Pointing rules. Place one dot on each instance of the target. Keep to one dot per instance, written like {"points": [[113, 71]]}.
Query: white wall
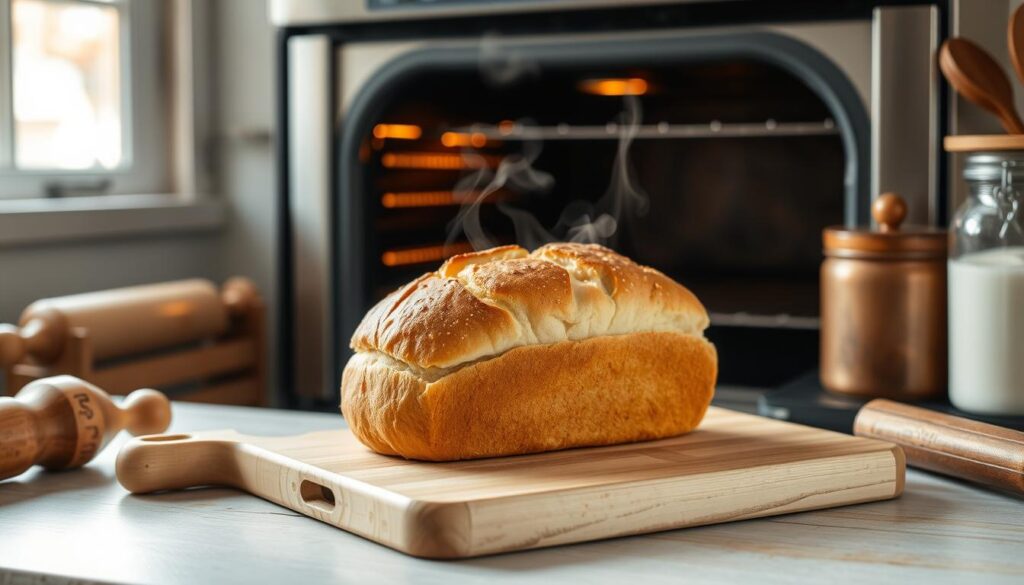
{"points": [[32, 272], [243, 89]]}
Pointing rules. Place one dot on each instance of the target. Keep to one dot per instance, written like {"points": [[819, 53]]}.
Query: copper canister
{"points": [[883, 308]]}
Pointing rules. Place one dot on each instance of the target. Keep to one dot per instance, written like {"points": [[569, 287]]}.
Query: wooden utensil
{"points": [[979, 79], [63, 422], [1015, 41], [948, 444], [983, 143], [734, 466]]}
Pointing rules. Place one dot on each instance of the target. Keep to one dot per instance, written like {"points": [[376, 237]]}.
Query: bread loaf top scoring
{"points": [[482, 304]]}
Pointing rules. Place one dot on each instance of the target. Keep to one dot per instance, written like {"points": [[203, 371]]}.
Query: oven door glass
{"points": [[720, 172]]}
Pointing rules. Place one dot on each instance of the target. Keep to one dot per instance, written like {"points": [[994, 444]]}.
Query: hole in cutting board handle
{"points": [[316, 495], [162, 438]]}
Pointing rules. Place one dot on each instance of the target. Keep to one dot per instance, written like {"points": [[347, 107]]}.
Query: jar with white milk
{"points": [[986, 286]]}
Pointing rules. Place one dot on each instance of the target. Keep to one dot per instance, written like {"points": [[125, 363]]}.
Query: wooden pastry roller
{"points": [[63, 422], [125, 321], [952, 445], [204, 342]]}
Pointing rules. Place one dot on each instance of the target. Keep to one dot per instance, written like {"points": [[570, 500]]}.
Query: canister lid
{"points": [[889, 242]]}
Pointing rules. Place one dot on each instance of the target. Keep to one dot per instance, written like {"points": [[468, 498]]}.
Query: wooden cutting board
{"points": [[735, 466]]}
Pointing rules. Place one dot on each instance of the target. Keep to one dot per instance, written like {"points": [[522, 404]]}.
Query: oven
{"points": [[711, 140]]}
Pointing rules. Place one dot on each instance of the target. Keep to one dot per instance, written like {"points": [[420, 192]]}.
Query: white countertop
{"points": [[82, 526]]}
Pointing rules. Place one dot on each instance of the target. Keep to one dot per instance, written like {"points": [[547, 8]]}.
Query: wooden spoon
{"points": [[1015, 41], [977, 77]]}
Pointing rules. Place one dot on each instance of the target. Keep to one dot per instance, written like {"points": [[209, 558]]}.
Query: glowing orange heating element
{"points": [[453, 139], [398, 131], [423, 254], [430, 160], [436, 198], [424, 199], [614, 87], [420, 199]]}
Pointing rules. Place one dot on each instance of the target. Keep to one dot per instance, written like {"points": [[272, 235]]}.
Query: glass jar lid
{"points": [[888, 242], [995, 167]]}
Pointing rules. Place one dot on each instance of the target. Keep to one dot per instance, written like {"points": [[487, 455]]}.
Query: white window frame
{"points": [[176, 165], [143, 168]]}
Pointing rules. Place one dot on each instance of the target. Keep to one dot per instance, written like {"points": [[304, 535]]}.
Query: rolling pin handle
{"points": [[238, 295], [41, 337], [147, 412], [956, 446], [20, 445], [12, 346], [62, 422]]}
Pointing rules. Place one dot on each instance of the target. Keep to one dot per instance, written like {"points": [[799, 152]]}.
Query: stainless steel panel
{"points": [[309, 154], [984, 22], [904, 108], [846, 43], [303, 12]]}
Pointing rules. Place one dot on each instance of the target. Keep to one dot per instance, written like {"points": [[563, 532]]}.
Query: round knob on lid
{"points": [[888, 242], [889, 211]]}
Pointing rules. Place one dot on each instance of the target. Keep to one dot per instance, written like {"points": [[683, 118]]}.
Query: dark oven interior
{"points": [[738, 162]]}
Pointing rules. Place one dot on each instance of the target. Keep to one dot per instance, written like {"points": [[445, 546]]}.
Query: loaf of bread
{"points": [[504, 352]]}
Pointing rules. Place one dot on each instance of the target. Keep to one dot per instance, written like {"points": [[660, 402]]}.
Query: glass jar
{"points": [[986, 287]]}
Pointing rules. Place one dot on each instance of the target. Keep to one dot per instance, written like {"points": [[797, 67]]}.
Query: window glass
{"points": [[67, 85]]}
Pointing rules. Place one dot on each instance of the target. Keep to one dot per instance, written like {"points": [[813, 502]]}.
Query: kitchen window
{"points": [[82, 107], [104, 119]]}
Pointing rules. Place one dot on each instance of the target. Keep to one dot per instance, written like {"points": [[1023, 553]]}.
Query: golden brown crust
{"points": [[598, 391], [486, 303], [438, 321]]}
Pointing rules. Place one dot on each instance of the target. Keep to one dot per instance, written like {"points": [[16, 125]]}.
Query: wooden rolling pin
{"points": [[125, 321], [63, 422], [948, 444]]}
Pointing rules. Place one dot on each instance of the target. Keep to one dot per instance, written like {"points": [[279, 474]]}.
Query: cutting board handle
{"points": [[177, 461], [156, 463]]}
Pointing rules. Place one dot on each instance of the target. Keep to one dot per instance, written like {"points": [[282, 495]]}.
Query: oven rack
{"points": [[779, 321], [612, 131]]}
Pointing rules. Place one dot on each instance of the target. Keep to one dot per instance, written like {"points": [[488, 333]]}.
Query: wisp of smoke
{"points": [[581, 220]]}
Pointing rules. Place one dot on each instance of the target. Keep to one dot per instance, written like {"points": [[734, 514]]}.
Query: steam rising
{"points": [[599, 222], [581, 220], [515, 171], [501, 65]]}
